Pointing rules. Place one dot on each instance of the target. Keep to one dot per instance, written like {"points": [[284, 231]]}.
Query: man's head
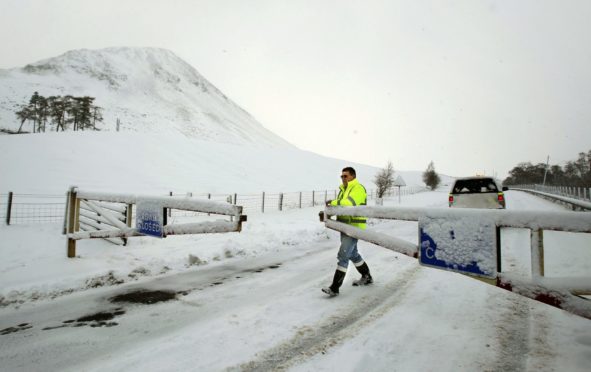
{"points": [[348, 174]]}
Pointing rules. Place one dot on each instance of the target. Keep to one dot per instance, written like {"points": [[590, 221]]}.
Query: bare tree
{"points": [[384, 179]]}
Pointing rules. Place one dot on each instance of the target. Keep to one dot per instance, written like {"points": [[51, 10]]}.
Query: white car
{"points": [[477, 192]]}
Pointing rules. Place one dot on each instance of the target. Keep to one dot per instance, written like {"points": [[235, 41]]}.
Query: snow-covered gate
{"points": [[109, 216], [565, 293]]}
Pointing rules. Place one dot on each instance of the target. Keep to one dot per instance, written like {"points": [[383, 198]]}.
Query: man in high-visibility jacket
{"points": [[352, 193]]}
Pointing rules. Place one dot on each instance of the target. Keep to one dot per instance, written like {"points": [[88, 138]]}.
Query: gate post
{"points": [[73, 210]]}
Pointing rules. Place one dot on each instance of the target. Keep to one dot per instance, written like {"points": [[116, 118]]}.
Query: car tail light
{"points": [[451, 199], [501, 197]]}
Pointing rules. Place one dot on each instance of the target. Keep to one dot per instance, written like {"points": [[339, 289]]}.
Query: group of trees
{"points": [[384, 179], [60, 113], [576, 173]]}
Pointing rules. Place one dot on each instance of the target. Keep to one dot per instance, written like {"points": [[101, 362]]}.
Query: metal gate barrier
{"points": [[565, 293]]}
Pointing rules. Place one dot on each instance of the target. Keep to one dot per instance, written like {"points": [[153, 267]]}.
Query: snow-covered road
{"points": [[264, 310]]}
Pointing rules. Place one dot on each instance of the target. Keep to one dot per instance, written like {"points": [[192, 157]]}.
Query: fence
{"points": [[577, 198], [581, 193], [42, 208], [31, 208], [563, 293]]}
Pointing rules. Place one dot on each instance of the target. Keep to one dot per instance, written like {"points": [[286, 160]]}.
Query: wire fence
{"points": [[42, 208]]}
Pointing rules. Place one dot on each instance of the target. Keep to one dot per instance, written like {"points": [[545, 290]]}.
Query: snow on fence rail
{"points": [[109, 216], [41, 208], [560, 292]]}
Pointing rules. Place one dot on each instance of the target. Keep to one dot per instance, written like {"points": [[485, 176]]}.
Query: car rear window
{"points": [[471, 186]]}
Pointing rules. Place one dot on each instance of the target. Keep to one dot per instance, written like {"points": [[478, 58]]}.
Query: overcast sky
{"points": [[476, 86]]}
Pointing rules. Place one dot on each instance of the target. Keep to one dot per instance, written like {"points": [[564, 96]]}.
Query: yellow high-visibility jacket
{"points": [[354, 195]]}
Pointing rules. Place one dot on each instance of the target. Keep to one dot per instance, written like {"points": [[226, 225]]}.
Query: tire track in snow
{"points": [[513, 336], [523, 338], [318, 338]]}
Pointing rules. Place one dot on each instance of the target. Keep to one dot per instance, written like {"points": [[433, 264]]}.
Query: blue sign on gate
{"points": [[149, 217], [465, 245]]}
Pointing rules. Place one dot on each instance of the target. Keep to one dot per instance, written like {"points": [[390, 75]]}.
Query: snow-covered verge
{"points": [[38, 253]]}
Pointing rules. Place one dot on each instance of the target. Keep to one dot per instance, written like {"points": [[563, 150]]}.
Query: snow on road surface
{"points": [[252, 301]]}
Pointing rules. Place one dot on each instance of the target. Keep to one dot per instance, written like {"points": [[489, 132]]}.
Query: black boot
{"points": [[365, 275], [337, 281]]}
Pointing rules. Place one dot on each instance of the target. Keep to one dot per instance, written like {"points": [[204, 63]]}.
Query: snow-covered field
{"points": [[252, 301], [127, 162]]}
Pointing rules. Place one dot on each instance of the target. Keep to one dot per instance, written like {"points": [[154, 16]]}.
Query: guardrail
{"points": [[560, 292], [571, 202], [114, 220]]}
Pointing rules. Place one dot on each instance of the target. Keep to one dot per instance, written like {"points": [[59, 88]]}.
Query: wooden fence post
{"points": [[9, 208], [169, 210], [128, 219], [263, 205], [73, 210], [281, 201], [313, 203], [65, 227], [208, 198], [300, 200], [129, 215]]}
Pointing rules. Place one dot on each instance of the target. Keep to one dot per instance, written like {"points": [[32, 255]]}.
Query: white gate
{"points": [[560, 292], [109, 216]]}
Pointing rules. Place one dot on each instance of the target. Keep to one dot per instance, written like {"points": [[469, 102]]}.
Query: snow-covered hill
{"points": [[147, 89], [179, 133]]}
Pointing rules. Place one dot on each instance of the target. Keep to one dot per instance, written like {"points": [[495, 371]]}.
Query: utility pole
{"points": [[546, 170]]}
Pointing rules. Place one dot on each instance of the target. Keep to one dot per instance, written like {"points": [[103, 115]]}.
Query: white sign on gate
{"points": [[149, 218], [463, 244]]}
